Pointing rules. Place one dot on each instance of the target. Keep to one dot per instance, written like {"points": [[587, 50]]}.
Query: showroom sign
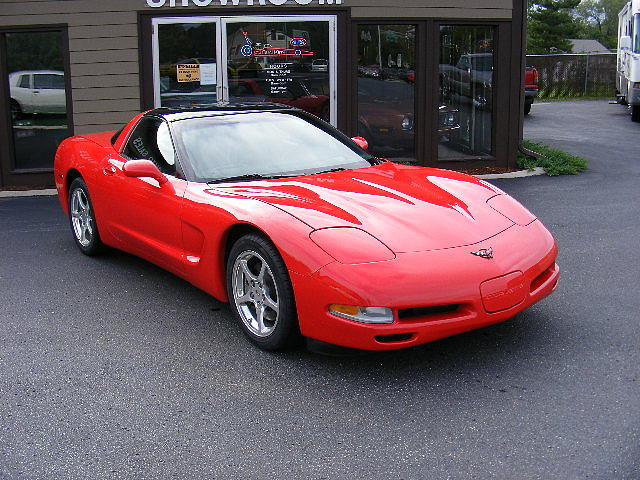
{"points": [[207, 3]]}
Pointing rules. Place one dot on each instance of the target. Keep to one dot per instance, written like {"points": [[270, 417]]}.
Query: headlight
{"points": [[351, 245], [407, 123], [363, 314]]}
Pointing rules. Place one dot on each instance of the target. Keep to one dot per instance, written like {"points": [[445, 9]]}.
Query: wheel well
{"points": [[71, 176], [234, 234]]}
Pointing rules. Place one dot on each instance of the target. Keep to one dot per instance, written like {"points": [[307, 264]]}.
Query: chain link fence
{"points": [[575, 75]]}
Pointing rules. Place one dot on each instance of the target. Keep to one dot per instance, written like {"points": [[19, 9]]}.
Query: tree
{"points": [[551, 25], [599, 19]]}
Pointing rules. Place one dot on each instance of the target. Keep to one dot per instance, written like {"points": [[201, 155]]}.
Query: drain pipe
{"points": [[527, 152]]}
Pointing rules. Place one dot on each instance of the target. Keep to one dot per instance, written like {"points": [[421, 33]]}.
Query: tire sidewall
{"points": [[95, 246], [286, 330]]}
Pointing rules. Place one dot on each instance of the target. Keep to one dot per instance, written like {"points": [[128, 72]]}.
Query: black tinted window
{"points": [[46, 82], [150, 140]]}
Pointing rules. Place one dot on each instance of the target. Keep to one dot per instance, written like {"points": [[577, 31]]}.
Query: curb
{"points": [[28, 193], [519, 174]]}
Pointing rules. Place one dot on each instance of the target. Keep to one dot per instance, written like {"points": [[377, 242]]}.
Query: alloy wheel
{"points": [[81, 217], [255, 293]]}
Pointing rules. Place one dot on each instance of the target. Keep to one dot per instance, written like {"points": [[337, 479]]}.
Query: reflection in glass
{"points": [[187, 53], [38, 97], [386, 77], [282, 62], [466, 85]]}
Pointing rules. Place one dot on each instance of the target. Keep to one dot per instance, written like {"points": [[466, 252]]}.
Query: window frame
{"points": [[9, 174], [427, 87]]}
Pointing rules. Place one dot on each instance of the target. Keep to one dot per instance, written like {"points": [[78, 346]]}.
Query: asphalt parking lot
{"points": [[112, 368]]}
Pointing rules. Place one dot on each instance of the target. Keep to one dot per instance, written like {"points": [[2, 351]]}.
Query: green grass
{"points": [[554, 161]]}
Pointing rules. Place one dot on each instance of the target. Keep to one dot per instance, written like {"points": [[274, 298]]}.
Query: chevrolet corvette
{"points": [[302, 231]]}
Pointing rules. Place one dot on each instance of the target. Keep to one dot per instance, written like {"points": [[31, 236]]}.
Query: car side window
{"points": [[24, 81], [48, 82], [151, 140]]}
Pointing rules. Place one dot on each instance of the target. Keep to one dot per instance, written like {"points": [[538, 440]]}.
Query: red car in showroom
{"points": [[301, 230]]}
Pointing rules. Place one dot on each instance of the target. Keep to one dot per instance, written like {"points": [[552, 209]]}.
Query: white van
{"points": [[628, 77]]}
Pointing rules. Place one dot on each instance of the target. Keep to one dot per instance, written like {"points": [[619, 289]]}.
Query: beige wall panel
{"points": [[90, 6], [104, 118], [105, 81], [455, 13], [103, 43], [111, 127], [106, 93], [116, 7], [87, 69], [75, 19], [70, 6], [98, 106], [93, 31], [103, 56]]}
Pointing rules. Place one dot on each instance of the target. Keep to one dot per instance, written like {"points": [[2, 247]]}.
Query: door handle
{"points": [[109, 170]]}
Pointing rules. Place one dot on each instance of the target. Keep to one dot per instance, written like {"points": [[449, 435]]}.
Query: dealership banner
{"points": [[208, 3]]}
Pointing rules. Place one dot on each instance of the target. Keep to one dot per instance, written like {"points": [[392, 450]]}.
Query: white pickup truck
{"points": [[628, 76]]}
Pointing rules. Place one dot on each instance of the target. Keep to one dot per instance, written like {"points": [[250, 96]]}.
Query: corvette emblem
{"points": [[484, 253]]}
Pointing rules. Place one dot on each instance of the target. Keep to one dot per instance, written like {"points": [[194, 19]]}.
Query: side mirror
{"points": [[625, 43], [361, 142], [143, 168]]}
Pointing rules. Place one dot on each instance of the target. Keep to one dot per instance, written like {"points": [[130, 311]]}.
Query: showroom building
{"points": [[427, 82]]}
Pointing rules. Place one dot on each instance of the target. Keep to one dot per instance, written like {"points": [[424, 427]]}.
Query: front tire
{"points": [[82, 218], [635, 113], [260, 293]]}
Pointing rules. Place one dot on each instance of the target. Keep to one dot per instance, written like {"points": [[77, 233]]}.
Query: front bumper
{"points": [[448, 277]]}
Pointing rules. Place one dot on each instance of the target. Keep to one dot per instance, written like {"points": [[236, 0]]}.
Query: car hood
{"points": [[407, 208]]}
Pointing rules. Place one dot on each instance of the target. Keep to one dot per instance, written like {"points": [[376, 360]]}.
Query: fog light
{"points": [[363, 314]]}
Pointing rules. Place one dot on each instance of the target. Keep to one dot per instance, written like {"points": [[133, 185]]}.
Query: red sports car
{"points": [[301, 230]]}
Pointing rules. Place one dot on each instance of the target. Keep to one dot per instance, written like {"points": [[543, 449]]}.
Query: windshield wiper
{"points": [[248, 176], [329, 171]]}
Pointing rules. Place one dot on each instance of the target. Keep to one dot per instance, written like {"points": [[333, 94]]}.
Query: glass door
{"points": [[281, 59], [185, 61], [288, 60], [35, 90]]}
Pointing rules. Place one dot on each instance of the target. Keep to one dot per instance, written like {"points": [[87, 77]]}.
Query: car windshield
{"points": [[268, 144]]}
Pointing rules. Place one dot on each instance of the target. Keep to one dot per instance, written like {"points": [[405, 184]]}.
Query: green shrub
{"points": [[554, 161]]}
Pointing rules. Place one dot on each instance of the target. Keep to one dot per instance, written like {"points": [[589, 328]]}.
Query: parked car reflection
{"points": [[37, 92], [386, 119]]}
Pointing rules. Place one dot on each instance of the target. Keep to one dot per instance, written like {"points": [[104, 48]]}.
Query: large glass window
{"points": [[281, 61], [386, 99], [188, 70], [37, 97], [466, 90]]}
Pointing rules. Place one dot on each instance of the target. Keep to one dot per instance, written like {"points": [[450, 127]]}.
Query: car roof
{"points": [[217, 109], [31, 72]]}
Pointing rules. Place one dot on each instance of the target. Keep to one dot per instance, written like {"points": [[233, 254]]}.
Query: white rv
{"points": [[628, 78]]}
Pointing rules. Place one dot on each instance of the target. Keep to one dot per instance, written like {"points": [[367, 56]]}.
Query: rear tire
{"points": [[82, 219], [16, 111], [635, 113], [260, 293]]}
